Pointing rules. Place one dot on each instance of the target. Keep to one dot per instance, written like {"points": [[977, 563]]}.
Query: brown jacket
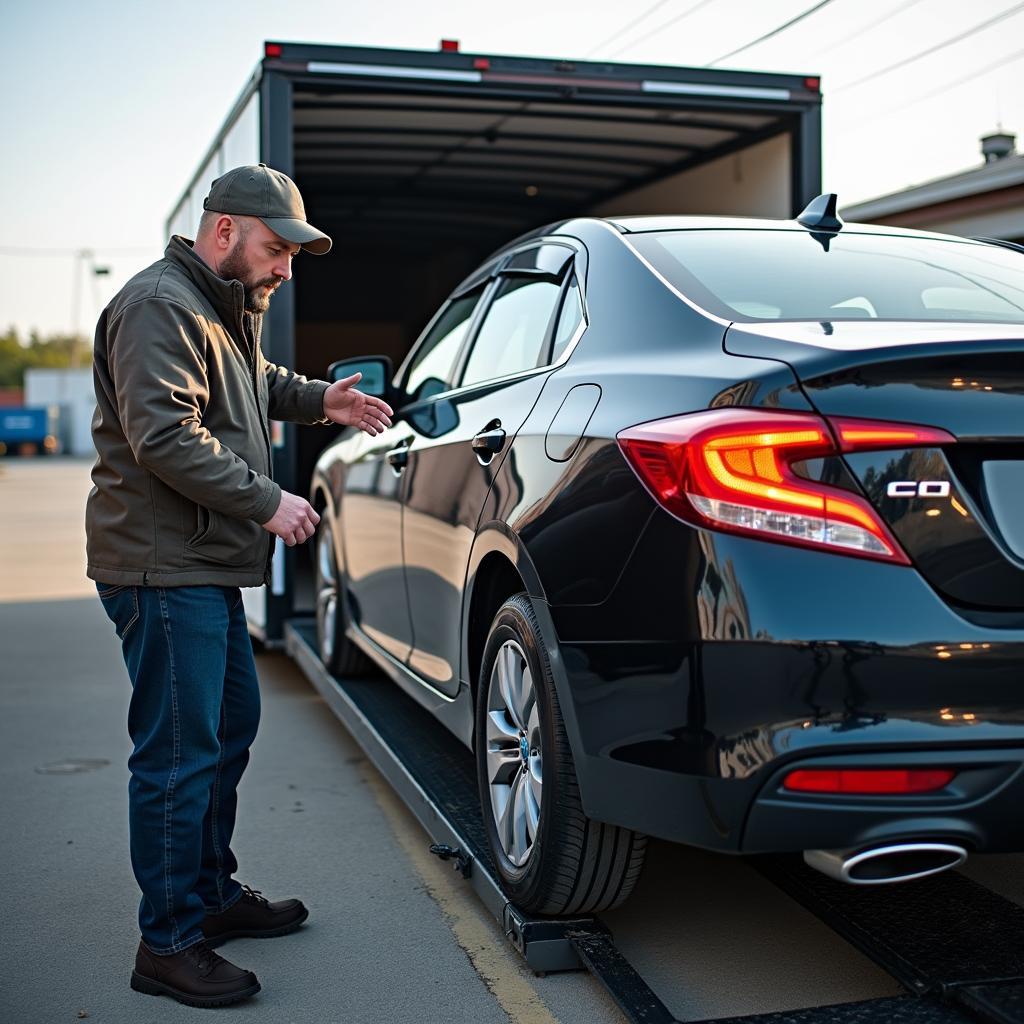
{"points": [[182, 479]]}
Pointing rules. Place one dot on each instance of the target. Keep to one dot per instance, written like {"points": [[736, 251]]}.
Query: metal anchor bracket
{"points": [[463, 862]]}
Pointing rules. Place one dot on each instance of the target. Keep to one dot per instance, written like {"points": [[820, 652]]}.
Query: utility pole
{"points": [[85, 263]]}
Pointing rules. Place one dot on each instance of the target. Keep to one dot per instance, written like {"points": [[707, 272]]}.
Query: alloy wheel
{"points": [[326, 595], [514, 756]]}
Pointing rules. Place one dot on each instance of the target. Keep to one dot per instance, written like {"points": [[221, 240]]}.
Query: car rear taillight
{"points": [[868, 435], [867, 781], [732, 469]]}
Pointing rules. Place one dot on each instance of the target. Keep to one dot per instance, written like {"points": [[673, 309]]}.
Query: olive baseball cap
{"points": [[260, 191]]}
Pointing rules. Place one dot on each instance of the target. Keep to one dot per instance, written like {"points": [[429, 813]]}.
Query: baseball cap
{"points": [[257, 190]]}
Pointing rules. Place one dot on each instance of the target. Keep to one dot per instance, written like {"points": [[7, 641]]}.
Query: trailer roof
{"points": [[387, 140]]}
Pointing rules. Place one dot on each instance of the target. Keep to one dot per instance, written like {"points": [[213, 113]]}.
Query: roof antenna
{"points": [[820, 217]]}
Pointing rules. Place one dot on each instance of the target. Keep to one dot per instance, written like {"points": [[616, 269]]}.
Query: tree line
{"points": [[50, 351]]}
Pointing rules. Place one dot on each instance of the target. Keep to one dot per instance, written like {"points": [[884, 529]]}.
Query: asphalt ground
{"points": [[394, 935]]}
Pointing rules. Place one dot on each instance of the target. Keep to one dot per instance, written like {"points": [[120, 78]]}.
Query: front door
{"points": [[371, 519], [371, 536], [459, 440]]}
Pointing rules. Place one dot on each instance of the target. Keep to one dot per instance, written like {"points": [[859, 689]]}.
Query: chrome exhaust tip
{"points": [[882, 865]]}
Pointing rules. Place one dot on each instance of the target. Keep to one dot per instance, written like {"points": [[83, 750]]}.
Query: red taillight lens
{"points": [[868, 435], [272, 50], [731, 469], [868, 781]]}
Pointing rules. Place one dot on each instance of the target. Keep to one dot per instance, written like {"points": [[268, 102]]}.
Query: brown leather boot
{"points": [[196, 976], [253, 916]]}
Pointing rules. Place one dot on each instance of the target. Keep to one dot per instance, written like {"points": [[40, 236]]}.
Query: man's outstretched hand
{"points": [[343, 404]]}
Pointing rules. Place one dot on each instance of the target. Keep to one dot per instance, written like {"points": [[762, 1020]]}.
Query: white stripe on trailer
{"points": [[696, 89], [392, 71]]}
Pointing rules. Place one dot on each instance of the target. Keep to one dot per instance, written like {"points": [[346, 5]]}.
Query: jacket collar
{"points": [[226, 297]]}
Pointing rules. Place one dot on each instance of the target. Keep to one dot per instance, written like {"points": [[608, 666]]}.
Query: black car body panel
{"points": [[695, 667]]}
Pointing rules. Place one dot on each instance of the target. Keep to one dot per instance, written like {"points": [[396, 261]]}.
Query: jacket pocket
{"points": [[224, 540], [205, 523]]}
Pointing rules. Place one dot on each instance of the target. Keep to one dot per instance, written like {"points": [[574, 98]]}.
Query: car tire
{"points": [[551, 858], [337, 652]]}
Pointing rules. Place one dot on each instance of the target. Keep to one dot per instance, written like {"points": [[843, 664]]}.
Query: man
{"points": [[182, 514]]}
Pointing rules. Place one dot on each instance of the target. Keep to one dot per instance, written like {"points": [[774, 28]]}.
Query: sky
{"points": [[110, 106]]}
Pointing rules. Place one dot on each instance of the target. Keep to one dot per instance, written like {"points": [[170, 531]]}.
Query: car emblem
{"points": [[918, 489]]}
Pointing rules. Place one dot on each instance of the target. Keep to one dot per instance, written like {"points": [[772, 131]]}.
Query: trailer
{"points": [[419, 163]]}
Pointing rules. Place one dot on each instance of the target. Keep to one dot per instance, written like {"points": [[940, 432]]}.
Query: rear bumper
{"points": [[697, 758], [759, 658], [979, 810]]}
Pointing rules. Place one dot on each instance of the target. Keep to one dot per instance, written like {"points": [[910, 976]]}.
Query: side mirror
{"points": [[377, 372]]}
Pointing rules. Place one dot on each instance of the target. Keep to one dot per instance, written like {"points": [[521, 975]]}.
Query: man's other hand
{"points": [[294, 521], [343, 404]]}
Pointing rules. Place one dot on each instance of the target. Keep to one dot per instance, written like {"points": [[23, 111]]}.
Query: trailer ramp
{"points": [[957, 947], [435, 776]]}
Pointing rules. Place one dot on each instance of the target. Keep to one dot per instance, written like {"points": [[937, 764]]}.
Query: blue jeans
{"points": [[193, 715]]}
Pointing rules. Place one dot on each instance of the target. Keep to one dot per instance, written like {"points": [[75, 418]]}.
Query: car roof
{"points": [[637, 224]]}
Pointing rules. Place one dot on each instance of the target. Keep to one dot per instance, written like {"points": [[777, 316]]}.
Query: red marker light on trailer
{"points": [[868, 781], [814, 84], [450, 45], [272, 50], [481, 64]]}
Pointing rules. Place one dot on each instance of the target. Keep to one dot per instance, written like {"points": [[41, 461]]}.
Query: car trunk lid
{"points": [[958, 509]]}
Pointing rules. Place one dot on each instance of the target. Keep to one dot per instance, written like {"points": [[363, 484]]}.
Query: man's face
{"points": [[261, 260]]}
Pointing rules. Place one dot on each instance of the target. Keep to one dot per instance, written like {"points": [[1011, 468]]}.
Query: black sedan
{"points": [[707, 529]]}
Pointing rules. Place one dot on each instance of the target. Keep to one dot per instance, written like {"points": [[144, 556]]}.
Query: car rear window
{"points": [[756, 275]]}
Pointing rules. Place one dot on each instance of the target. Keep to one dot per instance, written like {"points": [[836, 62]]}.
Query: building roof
{"points": [[1006, 172]]}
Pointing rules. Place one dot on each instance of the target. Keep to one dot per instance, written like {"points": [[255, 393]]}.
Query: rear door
{"points": [[459, 439]]}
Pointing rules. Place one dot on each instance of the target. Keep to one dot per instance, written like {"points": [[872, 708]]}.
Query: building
{"points": [[986, 201], [72, 390]]}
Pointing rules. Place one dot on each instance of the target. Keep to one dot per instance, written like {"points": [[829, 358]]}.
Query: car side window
{"points": [[569, 319], [431, 369], [514, 329]]}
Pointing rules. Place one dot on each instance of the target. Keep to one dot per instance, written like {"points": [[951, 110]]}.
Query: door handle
{"points": [[398, 457], [489, 441]]}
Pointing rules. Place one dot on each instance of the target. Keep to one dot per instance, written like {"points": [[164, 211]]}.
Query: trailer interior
{"points": [[419, 164]]}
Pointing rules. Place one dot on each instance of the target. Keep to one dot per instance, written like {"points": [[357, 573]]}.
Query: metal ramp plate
{"points": [[932, 935], [1000, 1004], [895, 1010]]}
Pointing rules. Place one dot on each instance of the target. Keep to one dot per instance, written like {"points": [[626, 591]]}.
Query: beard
{"points": [[236, 267]]}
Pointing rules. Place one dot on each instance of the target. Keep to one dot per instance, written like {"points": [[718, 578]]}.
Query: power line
{"points": [[769, 35], [660, 28], [972, 76], [1002, 16], [622, 31], [29, 250], [865, 28]]}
